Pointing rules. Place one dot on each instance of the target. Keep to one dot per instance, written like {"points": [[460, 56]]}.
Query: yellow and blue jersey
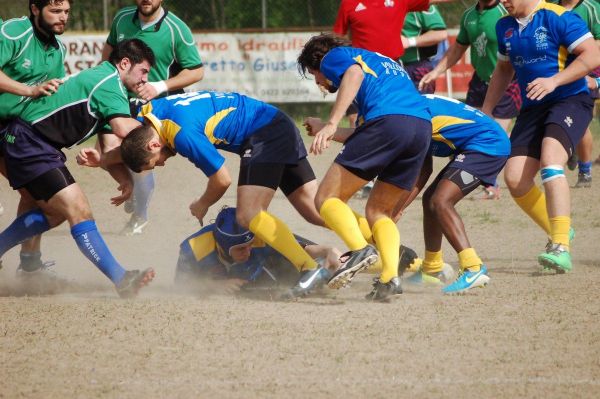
{"points": [[199, 257], [195, 124], [457, 127], [543, 48], [386, 88]]}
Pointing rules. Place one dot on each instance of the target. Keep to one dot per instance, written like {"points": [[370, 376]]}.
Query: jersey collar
{"points": [[136, 19], [42, 37]]}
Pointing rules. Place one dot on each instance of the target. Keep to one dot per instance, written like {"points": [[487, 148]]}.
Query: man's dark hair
{"points": [[315, 49], [133, 148], [43, 3], [136, 50]]}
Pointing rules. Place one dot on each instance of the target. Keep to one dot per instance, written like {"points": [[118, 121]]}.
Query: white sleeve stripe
{"points": [[503, 57], [577, 42]]}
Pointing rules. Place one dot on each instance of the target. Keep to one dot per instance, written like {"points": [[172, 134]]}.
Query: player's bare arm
{"points": [[502, 76], [353, 78], [313, 125], [185, 78], [217, 185], [8, 85], [454, 53]]}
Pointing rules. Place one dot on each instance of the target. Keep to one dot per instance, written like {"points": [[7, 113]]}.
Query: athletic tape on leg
{"points": [[551, 172]]}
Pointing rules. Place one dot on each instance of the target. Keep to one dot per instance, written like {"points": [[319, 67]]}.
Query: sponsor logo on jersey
{"points": [[26, 63], [388, 3], [509, 33]]}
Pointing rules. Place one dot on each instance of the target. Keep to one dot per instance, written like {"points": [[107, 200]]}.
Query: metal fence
{"points": [[221, 15]]}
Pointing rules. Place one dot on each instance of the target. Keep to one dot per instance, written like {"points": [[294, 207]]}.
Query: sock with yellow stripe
{"points": [[534, 205], [339, 217], [277, 235], [433, 262], [387, 237], [560, 230], [468, 260]]}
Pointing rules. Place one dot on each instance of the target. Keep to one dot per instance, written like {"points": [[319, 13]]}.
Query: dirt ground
{"points": [[525, 335]]}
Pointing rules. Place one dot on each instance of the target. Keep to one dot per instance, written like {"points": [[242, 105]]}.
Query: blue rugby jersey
{"points": [[543, 48], [386, 88], [458, 127], [195, 124]]}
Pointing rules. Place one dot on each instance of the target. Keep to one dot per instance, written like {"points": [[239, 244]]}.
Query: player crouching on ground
{"points": [[32, 160], [479, 148], [226, 257]]}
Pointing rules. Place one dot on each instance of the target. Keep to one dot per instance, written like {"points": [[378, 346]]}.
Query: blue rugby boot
{"points": [[467, 280]]}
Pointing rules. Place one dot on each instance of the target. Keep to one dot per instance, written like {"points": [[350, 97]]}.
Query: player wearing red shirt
{"points": [[375, 25]]}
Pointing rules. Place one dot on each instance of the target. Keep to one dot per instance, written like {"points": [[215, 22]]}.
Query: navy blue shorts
{"points": [[391, 148], [485, 167], [509, 105], [26, 154], [277, 142], [416, 71], [573, 114]]}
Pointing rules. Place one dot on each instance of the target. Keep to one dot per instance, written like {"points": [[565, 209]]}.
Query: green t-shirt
{"points": [[27, 57], [169, 38], [589, 11], [417, 23], [478, 30], [82, 103]]}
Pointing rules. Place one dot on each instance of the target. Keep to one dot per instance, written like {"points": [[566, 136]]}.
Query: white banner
{"points": [[261, 65]]}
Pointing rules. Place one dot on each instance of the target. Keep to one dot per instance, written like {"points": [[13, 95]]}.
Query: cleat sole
{"points": [[344, 278]]}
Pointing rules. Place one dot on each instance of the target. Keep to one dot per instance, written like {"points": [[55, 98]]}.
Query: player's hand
{"points": [[322, 139], [88, 157], [313, 125], [199, 210], [591, 83], [231, 285], [45, 89], [427, 79], [404, 41], [126, 189], [149, 90], [540, 88]]}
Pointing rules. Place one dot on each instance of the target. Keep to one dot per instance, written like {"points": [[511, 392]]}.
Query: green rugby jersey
{"points": [[169, 38], [84, 102], [27, 57], [417, 23], [478, 30], [589, 11]]}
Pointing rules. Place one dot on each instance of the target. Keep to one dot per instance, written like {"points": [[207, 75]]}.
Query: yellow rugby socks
{"points": [[468, 260], [534, 205], [387, 237], [560, 230], [276, 233], [339, 217], [433, 262], [363, 225]]}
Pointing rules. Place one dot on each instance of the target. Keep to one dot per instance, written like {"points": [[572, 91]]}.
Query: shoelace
{"points": [[554, 249]]}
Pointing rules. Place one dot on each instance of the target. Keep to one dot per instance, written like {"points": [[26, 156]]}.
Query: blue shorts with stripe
{"points": [[485, 167], [391, 148]]}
